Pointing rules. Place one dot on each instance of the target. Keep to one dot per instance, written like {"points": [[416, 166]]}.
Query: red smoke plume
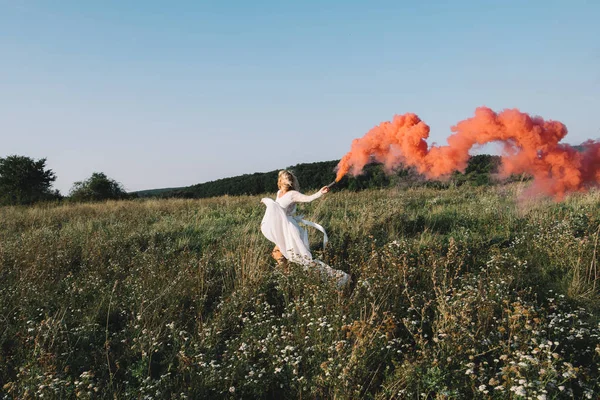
{"points": [[531, 145]]}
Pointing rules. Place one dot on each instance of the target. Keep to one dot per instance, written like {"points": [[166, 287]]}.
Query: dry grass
{"points": [[458, 293]]}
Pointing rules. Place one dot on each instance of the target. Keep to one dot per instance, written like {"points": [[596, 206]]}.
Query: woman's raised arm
{"points": [[298, 197]]}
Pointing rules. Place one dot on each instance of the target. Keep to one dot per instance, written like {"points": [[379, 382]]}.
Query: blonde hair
{"points": [[287, 180]]}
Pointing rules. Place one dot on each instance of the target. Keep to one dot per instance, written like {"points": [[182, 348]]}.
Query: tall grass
{"points": [[457, 293]]}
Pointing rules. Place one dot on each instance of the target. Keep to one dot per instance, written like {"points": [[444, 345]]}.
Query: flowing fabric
{"points": [[281, 226], [285, 231]]}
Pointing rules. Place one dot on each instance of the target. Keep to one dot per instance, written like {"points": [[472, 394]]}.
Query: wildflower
{"points": [[232, 389], [519, 390]]}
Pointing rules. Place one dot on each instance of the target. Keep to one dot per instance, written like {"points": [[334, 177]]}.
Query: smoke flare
{"points": [[530, 145]]}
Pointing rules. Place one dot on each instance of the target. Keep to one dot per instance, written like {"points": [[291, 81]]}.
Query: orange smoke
{"points": [[531, 145]]}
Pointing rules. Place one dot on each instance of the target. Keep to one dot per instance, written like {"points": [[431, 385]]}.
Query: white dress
{"points": [[281, 226]]}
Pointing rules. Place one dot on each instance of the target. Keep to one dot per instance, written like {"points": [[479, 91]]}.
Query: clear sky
{"points": [[164, 94]]}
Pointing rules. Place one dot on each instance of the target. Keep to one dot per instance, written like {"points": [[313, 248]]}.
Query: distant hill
{"points": [[155, 192], [310, 176], [313, 176]]}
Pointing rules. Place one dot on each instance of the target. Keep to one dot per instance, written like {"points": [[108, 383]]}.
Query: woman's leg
{"points": [[277, 255], [281, 261]]}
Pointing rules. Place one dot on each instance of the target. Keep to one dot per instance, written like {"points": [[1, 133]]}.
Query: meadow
{"points": [[458, 293]]}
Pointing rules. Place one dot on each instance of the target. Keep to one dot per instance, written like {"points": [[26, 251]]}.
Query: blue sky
{"points": [[163, 94]]}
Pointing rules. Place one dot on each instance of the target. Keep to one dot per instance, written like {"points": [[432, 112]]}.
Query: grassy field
{"points": [[457, 293]]}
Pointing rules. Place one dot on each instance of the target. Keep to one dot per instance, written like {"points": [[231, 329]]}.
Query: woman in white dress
{"points": [[281, 226]]}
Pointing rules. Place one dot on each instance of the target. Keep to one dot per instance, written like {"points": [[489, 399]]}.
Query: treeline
{"points": [[25, 181], [313, 176]]}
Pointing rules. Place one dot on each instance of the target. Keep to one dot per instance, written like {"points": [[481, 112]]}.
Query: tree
{"points": [[25, 181], [97, 188]]}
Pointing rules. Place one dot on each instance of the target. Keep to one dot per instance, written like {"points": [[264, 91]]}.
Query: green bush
{"points": [[98, 187]]}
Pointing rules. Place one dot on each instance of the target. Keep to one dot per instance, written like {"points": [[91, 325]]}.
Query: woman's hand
{"points": [[325, 189]]}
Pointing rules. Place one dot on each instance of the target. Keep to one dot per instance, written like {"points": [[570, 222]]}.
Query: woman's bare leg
{"points": [[278, 256]]}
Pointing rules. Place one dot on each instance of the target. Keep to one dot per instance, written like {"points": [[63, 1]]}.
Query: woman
{"points": [[281, 226]]}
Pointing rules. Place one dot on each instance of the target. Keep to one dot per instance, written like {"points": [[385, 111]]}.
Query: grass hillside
{"points": [[458, 293]]}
